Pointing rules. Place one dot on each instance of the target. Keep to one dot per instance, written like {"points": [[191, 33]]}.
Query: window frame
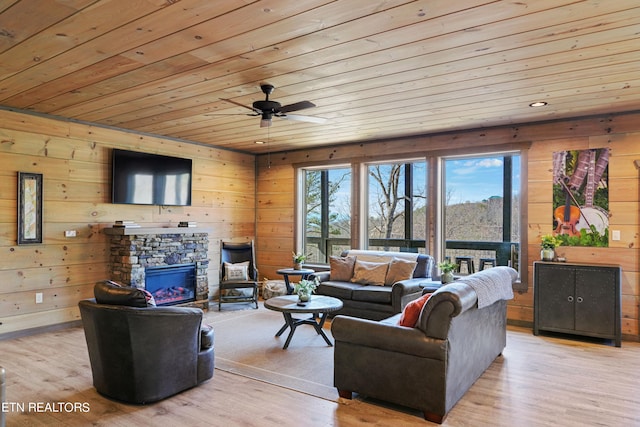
{"points": [[434, 190], [365, 208], [440, 240], [300, 202]]}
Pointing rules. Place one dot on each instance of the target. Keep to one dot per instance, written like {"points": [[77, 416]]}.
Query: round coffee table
{"points": [[288, 305]]}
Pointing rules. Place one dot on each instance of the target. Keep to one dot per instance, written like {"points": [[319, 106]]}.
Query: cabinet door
{"points": [[556, 286], [596, 300]]}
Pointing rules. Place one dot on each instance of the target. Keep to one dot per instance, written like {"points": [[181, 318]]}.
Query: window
{"points": [[396, 215], [327, 213], [472, 208], [481, 209]]}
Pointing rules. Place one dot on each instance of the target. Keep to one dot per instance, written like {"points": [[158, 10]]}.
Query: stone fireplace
{"points": [[180, 254]]}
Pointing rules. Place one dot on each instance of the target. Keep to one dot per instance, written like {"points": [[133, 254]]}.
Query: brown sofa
{"points": [[428, 367], [377, 302]]}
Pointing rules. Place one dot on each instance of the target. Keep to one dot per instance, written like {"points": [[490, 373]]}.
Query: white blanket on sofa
{"points": [[492, 284]]}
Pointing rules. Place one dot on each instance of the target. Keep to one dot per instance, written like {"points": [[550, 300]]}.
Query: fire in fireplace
{"points": [[171, 284]]}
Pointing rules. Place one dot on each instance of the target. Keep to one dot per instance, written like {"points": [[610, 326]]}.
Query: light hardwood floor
{"points": [[539, 381]]}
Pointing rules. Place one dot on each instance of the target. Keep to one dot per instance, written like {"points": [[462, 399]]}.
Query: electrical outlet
{"points": [[615, 234], [38, 297], [70, 233]]}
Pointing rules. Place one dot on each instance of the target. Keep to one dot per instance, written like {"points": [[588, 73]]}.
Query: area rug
{"points": [[245, 344]]}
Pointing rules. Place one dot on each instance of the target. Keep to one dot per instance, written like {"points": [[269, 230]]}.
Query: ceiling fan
{"points": [[268, 109]]}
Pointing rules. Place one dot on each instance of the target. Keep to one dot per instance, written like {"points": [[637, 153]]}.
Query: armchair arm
{"points": [[206, 336], [322, 276], [385, 336], [447, 302], [404, 291], [206, 355]]}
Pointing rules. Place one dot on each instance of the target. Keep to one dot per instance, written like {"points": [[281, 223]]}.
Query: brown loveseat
{"points": [[459, 332], [367, 300], [142, 354]]}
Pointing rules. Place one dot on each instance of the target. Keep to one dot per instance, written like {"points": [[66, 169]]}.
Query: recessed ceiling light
{"points": [[259, 142], [538, 104]]}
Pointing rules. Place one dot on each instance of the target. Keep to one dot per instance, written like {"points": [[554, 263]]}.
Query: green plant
{"points": [[299, 257], [549, 241], [447, 267], [587, 237], [306, 286]]}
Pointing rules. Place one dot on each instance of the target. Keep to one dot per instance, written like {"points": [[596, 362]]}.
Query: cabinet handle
{"points": [[579, 299], [570, 299]]}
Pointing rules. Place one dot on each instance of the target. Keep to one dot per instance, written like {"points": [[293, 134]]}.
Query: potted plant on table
{"points": [[298, 259], [304, 288], [548, 244], [447, 268]]}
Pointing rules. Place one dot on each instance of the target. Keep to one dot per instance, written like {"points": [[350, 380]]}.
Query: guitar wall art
{"points": [[581, 197]]}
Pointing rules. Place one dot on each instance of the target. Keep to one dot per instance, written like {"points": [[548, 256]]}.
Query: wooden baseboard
{"points": [[40, 330], [521, 323]]}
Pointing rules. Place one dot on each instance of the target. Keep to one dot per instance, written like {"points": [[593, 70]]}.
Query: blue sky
{"points": [[476, 179], [470, 179]]}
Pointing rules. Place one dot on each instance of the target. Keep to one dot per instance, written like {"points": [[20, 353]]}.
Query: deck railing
{"points": [[505, 253]]}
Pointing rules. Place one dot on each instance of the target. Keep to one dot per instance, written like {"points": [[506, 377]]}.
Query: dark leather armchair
{"points": [[144, 354]]}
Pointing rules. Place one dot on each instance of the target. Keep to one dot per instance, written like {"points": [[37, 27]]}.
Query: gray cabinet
{"points": [[579, 299]]}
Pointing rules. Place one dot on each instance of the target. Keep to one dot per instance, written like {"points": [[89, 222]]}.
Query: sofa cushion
{"points": [[411, 312], [337, 289], [113, 293], [373, 293], [369, 273], [399, 269], [341, 268]]}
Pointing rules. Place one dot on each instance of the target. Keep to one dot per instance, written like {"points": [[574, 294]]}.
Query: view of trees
{"points": [[394, 189], [328, 209]]}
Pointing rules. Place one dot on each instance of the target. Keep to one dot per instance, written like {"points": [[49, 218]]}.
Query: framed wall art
{"points": [[581, 197], [29, 208]]}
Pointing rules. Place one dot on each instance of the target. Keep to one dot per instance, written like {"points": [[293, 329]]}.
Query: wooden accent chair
{"points": [[238, 272]]}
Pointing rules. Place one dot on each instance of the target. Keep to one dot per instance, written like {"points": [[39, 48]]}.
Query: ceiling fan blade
{"points": [[240, 105], [310, 119], [297, 106], [230, 114]]}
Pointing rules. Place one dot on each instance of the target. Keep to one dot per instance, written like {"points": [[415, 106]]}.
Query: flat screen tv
{"points": [[150, 179]]}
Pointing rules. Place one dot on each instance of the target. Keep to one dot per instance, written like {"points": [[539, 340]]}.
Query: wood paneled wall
{"points": [[621, 133], [75, 162]]}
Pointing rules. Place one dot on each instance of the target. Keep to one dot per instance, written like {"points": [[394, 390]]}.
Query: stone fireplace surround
{"points": [[135, 249]]}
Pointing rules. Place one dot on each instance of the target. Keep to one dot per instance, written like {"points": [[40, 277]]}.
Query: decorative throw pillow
{"points": [[370, 273], [411, 312], [237, 271], [341, 268], [399, 269]]}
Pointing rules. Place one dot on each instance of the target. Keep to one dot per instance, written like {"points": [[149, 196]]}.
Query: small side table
{"points": [[286, 272]]}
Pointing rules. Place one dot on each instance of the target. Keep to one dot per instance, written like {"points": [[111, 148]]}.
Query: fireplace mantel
{"points": [[142, 231]]}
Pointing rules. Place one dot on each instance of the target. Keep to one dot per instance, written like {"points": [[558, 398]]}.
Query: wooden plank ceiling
{"points": [[374, 69]]}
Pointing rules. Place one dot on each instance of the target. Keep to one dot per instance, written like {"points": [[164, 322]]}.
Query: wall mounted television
{"points": [[150, 179]]}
